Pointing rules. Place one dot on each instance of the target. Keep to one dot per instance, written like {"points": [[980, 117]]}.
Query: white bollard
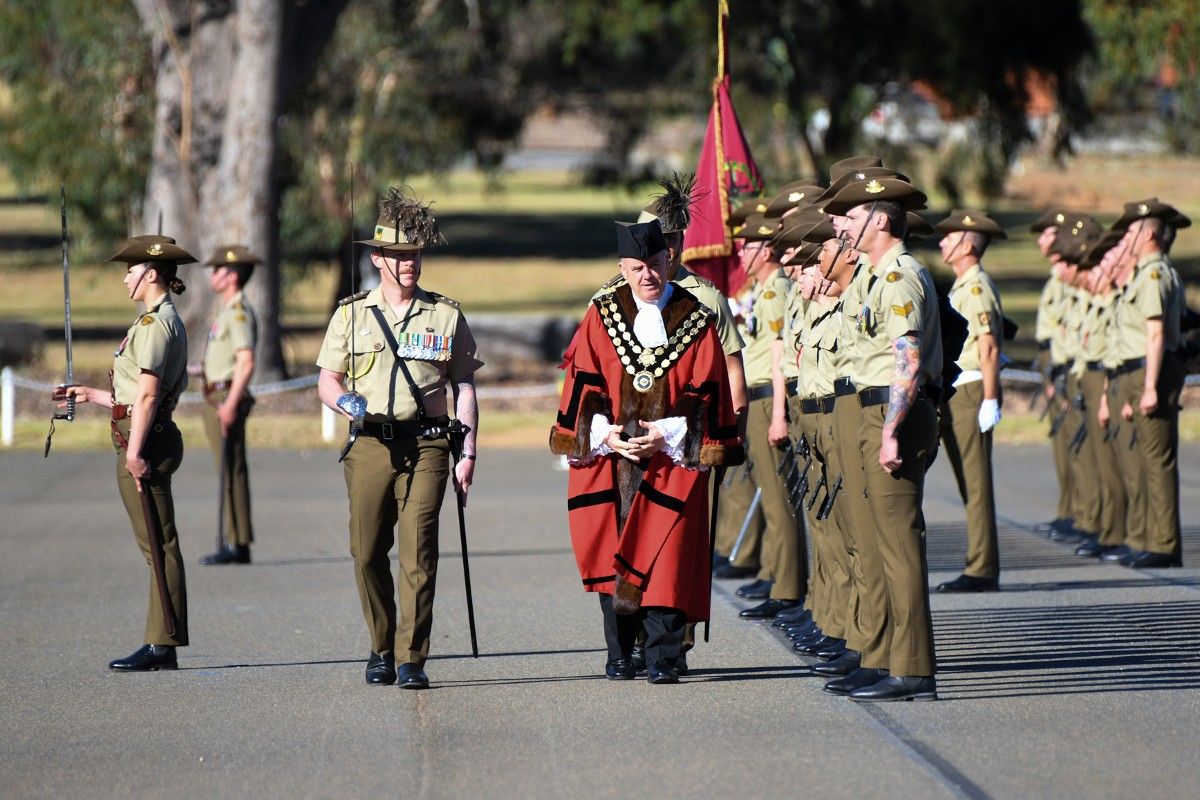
{"points": [[6, 406], [328, 423]]}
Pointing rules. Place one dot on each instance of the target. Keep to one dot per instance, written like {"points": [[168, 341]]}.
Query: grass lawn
{"points": [[542, 242]]}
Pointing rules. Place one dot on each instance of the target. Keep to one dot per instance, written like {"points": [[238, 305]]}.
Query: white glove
{"points": [[989, 415]]}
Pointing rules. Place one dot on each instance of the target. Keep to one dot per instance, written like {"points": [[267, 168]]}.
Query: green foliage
{"points": [[1145, 55], [80, 107]]}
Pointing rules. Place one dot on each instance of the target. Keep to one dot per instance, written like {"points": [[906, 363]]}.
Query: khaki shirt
{"points": [[434, 340], [1153, 292], [900, 299], [795, 312], [819, 345], [235, 328], [764, 326], [1063, 342], [1096, 322], [156, 343], [974, 295], [850, 299], [708, 295], [1048, 308]]}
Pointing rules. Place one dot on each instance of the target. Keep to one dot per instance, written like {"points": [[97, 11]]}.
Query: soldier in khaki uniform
{"points": [[228, 367], [401, 346], [148, 375], [894, 369], [767, 428], [974, 408], [1049, 307], [1150, 376], [834, 593], [1096, 344]]}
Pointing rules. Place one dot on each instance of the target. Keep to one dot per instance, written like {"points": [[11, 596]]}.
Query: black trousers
{"points": [[664, 631]]}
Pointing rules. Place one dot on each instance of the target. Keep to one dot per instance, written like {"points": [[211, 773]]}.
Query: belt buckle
{"points": [[388, 434]]}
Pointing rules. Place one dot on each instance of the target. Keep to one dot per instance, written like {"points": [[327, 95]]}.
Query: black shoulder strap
{"points": [[398, 366]]}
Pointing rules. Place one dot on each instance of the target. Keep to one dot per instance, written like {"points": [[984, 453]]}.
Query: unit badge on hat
{"points": [[230, 255], [795, 197], [1143, 209], [1059, 218], [760, 208], [874, 187], [154, 249], [970, 223]]}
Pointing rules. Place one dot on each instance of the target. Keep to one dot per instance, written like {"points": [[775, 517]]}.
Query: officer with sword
{"points": [[149, 373], [399, 346]]}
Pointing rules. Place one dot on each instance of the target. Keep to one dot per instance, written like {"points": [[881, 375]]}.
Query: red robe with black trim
{"points": [[645, 524]]}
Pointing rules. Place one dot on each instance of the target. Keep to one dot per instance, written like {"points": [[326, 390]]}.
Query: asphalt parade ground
{"points": [[1077, 680]]}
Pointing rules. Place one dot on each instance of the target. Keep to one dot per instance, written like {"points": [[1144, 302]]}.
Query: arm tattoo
{"points": [[466, 410], [904, 383]]}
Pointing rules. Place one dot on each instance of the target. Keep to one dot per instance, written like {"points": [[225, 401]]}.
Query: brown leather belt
{"points": [[218, 386]]}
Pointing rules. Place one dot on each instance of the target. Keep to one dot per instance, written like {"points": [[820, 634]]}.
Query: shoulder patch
{"points": [[905, 309], [892, 277], [354, 298], [239, 317], [976, 290], [768, 294], [147, 320], [441, 298], [776, 325], [1154, 275]]}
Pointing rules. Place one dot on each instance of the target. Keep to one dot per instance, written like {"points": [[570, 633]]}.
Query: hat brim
{"points": [[890, 190], [399, 247]]}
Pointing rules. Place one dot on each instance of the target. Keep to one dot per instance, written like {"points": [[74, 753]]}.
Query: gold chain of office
{"points": [[647, 364]]}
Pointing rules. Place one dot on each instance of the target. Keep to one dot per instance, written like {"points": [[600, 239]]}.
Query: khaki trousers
{"points": [[783, 545], [402, 481], [970, 454], [866, 625], [163, 451], [239, 529], [1158, 455], [736, 495], [1124, 441], [1085, 478], [1062, 463], [1102, 453], [899, 536]]}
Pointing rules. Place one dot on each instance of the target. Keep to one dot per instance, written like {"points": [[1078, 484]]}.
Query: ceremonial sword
{"points": [[69, 415]]}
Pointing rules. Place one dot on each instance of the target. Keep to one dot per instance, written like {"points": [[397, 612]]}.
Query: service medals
{"points": [[424, 346], [648, 364]]}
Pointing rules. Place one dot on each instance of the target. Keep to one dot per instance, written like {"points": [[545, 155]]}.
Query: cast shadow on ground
{"points": [[319, 663], [1004, 653]]}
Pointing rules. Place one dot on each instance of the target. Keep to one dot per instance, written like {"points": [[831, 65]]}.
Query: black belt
{"points": [[843, 387], [1096, 366], [768, 390], [817, 405], [1126, 367], [878, 395], [390, 430]]}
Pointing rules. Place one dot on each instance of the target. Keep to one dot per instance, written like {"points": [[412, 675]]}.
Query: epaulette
{"points": [[705, 282], [441, 298], [354, 298]]}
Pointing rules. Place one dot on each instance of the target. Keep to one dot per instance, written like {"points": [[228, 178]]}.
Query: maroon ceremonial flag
{"points": [[725, 175]]}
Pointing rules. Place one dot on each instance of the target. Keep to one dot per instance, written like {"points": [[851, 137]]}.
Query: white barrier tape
{"points": [[1025, 376]]}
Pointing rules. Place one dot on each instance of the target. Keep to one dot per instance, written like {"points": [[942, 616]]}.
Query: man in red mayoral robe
{"points": [[645, 414]]}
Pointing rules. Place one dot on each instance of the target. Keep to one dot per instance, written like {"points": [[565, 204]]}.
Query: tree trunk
{"points": [[217, 94]]}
